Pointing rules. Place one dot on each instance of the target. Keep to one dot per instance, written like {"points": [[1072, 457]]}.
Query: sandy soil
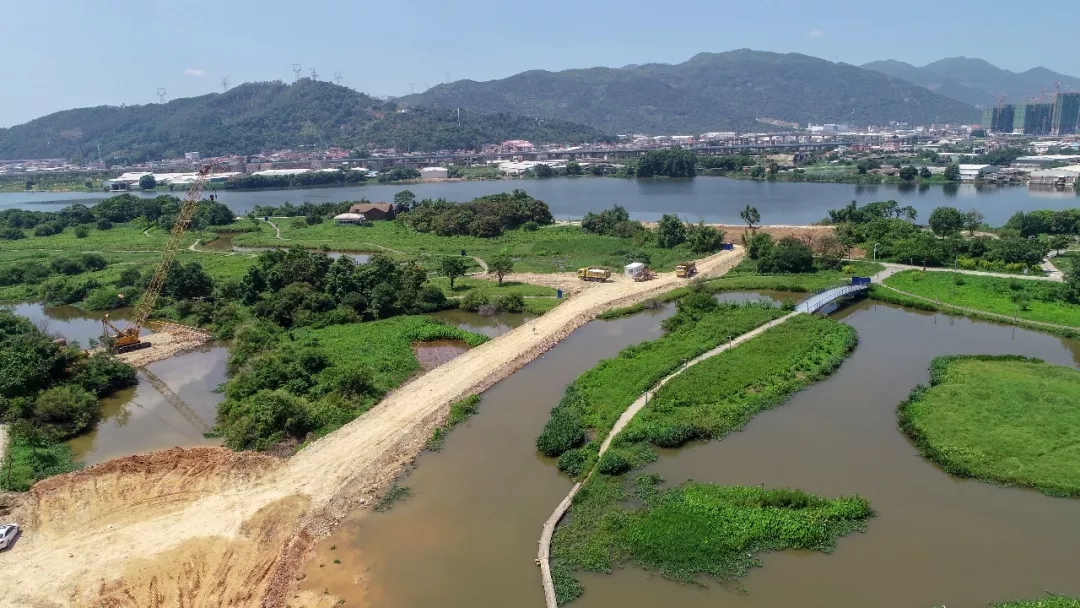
{"points": [[166, 340], [207, 527]]}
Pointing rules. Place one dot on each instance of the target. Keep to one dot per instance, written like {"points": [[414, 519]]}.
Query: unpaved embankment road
{"points": [[207, 527]]}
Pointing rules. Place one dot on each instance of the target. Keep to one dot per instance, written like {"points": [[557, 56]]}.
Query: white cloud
{"points": [[196, 72], [816, 33]]}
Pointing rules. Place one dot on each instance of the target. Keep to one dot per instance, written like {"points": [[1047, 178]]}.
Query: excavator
{"points": [[126, 339]]}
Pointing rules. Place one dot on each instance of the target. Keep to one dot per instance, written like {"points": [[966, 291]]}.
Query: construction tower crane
{"points": [[127, 339]]}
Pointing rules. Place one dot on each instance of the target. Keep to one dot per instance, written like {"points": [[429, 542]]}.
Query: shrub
{"points": [[65, 291], [48, 229], [102, 374], [11, 234], [263, 419], [565, 429], [65, 410], [81, 232], [509, 302], [613, 463], [530, 226], [105, 298], [128, 277], [672, 435], [93, 261], [473, 301], [68, 266], [104, 224], [572, 462]]}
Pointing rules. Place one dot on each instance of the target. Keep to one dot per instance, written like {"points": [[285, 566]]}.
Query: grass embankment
{"points": [[703, 529], [288, 384], [25, 464], [745, 276], [460, 411], [549, 249], [1026, 299], [595, 400], [538, 299], [1004, 419]]}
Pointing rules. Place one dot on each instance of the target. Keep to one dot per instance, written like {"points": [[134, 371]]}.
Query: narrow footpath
{"points": [[3, 441], [544, 558]]}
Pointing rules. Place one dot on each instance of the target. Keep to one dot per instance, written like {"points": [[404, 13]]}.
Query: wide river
{"points": [[715, 199]]}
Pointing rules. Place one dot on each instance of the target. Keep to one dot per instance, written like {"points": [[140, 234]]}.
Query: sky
{"points": [[63, 54]]}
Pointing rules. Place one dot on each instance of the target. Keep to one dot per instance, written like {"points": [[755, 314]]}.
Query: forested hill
{"points": [[709, 92], [254, 117]]}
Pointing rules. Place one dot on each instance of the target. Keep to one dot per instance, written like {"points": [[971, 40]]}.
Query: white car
{"points": [[8, 532]]}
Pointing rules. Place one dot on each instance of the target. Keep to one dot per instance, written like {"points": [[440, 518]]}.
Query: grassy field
{"points": [[1067, 262], [1026, 299], [550, 249], [1006, 419], [121, 237], [596, 399]]}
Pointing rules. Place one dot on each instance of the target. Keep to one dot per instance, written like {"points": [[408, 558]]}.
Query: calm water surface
{"points": [[467, 536], [715, 199]]}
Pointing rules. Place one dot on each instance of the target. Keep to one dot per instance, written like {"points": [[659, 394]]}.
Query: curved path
{"points": [[544, 557], [1012, 320], [891, 269]]}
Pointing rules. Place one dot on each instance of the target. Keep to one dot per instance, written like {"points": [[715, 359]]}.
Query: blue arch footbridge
{"points": [[819, 300]]}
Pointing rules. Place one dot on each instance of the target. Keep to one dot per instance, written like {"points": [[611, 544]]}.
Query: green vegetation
{"points": [[1005, 419], [791, 87], [484, 217], [598, 397], [394, 494], [285, 385], [459, 412], [1054, 601], [253, 117], [702, 529], [1025, 299], [48, 393], [55, 181]]}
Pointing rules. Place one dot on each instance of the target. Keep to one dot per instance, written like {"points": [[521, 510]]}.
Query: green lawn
{"points": [[1056, 601], [550, 249], [121, 237], [1008, 419], [1066, 262], [1030, 300]]}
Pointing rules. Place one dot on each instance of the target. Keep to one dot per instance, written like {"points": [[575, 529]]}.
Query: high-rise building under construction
{"points": [[1033, 118], [1066, 114], [999, 119]]}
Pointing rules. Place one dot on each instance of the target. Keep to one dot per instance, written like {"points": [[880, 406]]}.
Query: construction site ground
{"points": [[210, 527]]}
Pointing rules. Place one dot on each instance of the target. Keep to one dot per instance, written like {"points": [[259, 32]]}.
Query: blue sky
{"points": [[63, 54]]}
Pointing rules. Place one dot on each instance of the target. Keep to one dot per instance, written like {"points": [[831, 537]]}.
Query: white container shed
{"points": [[632, 270]]}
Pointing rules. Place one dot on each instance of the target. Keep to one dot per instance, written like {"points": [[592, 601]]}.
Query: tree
{"points": [[952, 172], [908, 213], [404, 201], [830, 250], [925, 173], [789, 254], [751, 216], [908, 173], [973, 220], [453, 267], [758, 244], [704, 239], [148, 182], [543, 170], [946, 221], [573, 168], [671, 231], [502, 265]]}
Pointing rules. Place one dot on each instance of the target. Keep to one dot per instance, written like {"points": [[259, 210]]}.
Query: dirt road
{"points": [[207, 527]]}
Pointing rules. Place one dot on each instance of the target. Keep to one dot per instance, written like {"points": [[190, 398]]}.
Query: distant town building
{"points": [[191, 156], [974, 172], [374, 211], [999, 120], [429, 174], [1033, 118]]}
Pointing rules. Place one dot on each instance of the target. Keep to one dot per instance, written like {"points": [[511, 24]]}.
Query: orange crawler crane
{"points": [[127, 339]]}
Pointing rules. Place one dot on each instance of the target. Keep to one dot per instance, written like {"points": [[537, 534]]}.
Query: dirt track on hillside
{"points": [[208, 527]]}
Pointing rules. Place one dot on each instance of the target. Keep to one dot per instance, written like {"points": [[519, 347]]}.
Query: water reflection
{"points": [[495, 325], [73, 324]]}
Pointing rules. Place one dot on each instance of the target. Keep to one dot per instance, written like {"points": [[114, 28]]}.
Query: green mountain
{"points": [[709, 92], [254, 117], [976, 81]]}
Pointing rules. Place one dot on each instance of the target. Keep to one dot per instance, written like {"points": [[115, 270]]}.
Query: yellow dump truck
{"points": [[594, 274], [686, 270]]}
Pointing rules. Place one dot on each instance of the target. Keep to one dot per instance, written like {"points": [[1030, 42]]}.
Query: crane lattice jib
{"points": [[187, 210]]}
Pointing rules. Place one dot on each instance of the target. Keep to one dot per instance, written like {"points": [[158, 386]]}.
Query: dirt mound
{"points": [[125, 486], [167, 339], [212, 572]]}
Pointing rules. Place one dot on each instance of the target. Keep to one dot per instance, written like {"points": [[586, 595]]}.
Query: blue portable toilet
{"points": [[463, 252], [558, 293]]}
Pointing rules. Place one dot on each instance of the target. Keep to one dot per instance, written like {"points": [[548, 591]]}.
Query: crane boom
{"points": [[128, 338]]}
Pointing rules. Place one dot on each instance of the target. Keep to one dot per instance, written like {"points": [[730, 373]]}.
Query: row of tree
{"points": [[484, 217]]}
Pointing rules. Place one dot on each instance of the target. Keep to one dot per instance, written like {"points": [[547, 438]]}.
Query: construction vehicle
{"points": [[644, 275], [594, 274], [127, 339], [685, 270]]}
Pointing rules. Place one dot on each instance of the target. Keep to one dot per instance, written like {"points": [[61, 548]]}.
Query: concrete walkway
{"points": [[891, 269], [3, 442], [544, 557]]}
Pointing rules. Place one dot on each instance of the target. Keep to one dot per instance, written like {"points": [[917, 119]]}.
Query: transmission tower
{"points": [[161, 94], [296, 69], [224, 84], [337, 77], [412, 87], [447, 75], [314, 74]]}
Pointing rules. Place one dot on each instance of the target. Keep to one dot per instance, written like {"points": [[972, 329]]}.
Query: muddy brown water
{"points": [[73, 324], [492, 326], [436, 352], [467, 535]]}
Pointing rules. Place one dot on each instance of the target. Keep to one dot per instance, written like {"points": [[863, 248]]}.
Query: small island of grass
{"points": [[1003, 419]]}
